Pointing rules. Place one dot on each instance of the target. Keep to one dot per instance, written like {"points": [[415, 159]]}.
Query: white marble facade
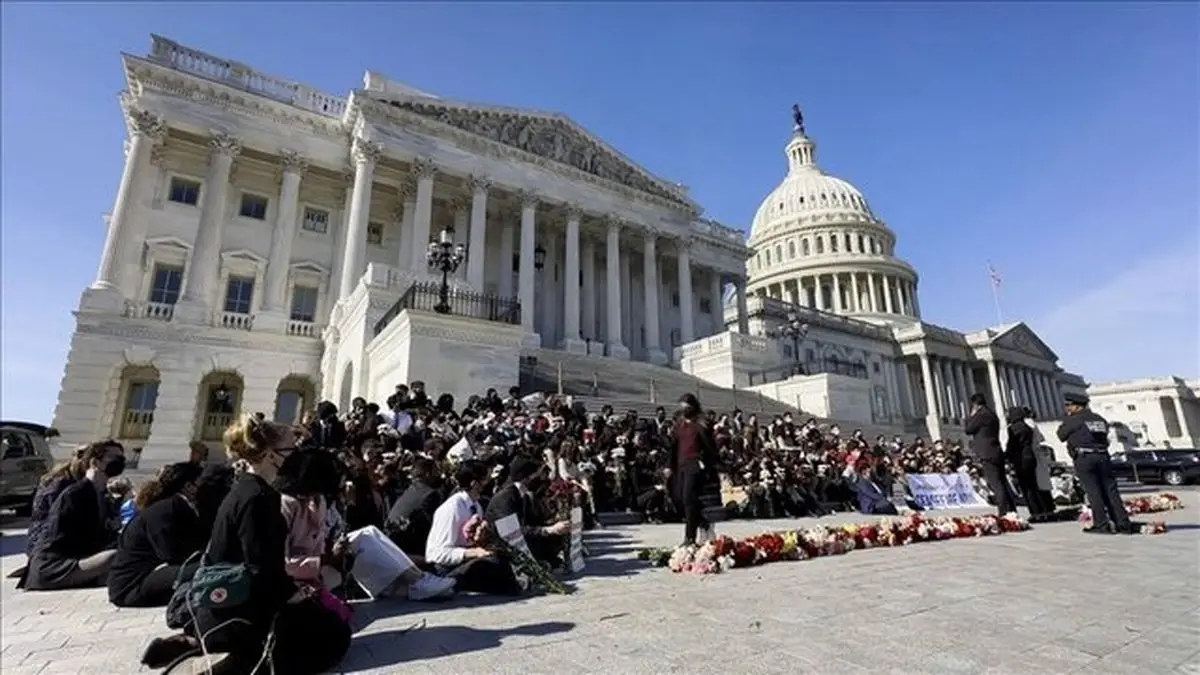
{"points": [[261, 227]]}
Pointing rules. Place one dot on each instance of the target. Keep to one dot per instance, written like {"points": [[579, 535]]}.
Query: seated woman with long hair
{"points": [[74, 550], [277, 628], [51, 485], [160, 544]]}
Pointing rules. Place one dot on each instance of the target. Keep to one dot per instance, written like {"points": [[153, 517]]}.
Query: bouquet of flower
{"points": [[1156, 503], [724, 553], [529, 572]]}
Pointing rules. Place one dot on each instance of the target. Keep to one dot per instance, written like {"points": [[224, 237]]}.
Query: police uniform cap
{"points": [[1072, 398]]}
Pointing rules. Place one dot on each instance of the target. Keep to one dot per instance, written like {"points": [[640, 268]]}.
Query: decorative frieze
{"points": [[477, 184], [528, 199], [225, 144]]}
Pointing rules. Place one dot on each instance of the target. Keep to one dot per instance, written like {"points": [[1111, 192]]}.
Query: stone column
{"points": [[280, 256], [408, 216], [916, 304], [547, 313], [838, 305], [365, 154], [654, 352], [146, 130], [856, 305], [931, 405], [687, 326], [424, 171], [205, 258], [997, 389], [1052, 405], [507, 235], [1012, 396], [965, 386], [462, 206], [612, 273], [339, 248], [872, 294], [525, 276], [887, 294], [1027, 390], [572, 333], [743, 313], [716, 305], [819, 293], [477, 247], [904, 373], [1185, 432], [627, 324], [588, 305]]}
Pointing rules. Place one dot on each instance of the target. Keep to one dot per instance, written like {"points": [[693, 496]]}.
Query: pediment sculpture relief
{"points": [[548, 138]]}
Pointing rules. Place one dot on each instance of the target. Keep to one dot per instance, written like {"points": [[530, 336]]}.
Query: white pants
{"points": [[378, 562]]}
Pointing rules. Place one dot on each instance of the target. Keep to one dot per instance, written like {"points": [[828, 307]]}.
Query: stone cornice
{"points": [[146, 76], [158, 331], [381, 112]]}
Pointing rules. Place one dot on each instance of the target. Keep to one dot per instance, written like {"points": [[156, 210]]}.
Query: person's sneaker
{"points": [[431, 586]]}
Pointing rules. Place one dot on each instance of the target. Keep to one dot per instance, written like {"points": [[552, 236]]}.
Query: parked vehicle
{"points": [[24, 457], [1172, 467]]}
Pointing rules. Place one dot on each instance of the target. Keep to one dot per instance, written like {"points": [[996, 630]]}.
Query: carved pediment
{"points": [[1020, 338], [552, 137]]}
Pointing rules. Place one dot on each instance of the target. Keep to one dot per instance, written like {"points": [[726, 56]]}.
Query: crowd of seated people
{"points": [[374, 502]]}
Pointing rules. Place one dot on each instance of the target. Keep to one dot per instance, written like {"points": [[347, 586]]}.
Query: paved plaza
{"points": [[1051, 600]]}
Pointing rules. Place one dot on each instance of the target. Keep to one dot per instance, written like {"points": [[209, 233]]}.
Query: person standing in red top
{"points": [[693, 466]]}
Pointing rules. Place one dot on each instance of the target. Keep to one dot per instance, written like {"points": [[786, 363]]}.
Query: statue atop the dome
{"points": [[798, 118]]}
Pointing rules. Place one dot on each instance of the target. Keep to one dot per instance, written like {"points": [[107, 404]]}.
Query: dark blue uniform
{"points": [[1086, 436]]}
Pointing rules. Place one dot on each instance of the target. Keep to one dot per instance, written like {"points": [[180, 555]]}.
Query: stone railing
{"points": [[136, 424], [159, 311], [232, 73], [780, 308], [215, 425], [724, 341], [303, 329], [235, 320]]}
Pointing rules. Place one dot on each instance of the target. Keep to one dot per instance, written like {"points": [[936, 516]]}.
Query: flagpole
{"points": [[994, 280]]}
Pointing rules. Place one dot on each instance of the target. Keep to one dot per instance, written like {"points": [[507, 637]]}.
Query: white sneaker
{"points": [[431, 586]]}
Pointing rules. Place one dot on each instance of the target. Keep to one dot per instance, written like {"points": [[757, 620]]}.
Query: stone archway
{"points": [[137, 399], [218, 404], [295, 395]]}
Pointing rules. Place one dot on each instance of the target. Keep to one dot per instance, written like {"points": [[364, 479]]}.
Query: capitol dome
{"points": [[818, 244]]}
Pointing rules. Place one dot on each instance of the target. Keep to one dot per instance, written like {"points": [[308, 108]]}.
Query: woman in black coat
{"points": [[277, 622], [74, 548], [161, 543], [1020, 452]]}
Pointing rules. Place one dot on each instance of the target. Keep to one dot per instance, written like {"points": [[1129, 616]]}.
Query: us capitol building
{"points": [[267, 249]]}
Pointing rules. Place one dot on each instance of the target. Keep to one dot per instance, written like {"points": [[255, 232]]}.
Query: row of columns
{"points": [[851, 292], [1015, 385], [949, 384]]}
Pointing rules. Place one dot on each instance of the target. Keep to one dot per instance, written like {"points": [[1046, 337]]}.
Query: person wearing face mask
{"points": [[277, 628], [693, 465], [75, 550], [156, 546]]}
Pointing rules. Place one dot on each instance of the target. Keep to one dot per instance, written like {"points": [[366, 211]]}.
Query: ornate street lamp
{"points": [[539, 257], [446, 256], [795, 330]]}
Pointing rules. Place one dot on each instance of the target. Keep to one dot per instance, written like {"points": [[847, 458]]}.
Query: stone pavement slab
{"points": [[1052, 600]]}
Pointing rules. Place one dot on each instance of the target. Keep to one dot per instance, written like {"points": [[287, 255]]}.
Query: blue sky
{"points": [[1057, 140]]}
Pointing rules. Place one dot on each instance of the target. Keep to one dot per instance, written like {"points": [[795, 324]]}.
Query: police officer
{"points": [[1086, 436]]}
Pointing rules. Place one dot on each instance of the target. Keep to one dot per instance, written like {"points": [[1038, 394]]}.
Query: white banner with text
{"points": [[944, 490]]}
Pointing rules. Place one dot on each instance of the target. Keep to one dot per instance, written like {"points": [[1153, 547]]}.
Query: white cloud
{"points": [[1139, 320]]}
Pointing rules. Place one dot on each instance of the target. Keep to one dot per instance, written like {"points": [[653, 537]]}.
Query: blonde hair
{"points": [[251, 438]]}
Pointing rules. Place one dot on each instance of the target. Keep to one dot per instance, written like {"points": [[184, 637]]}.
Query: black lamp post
{"points": [[446, 256], [795, 330], [539, 257]]}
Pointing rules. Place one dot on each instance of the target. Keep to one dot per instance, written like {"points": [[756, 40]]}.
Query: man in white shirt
{"points": [[476, 569]]}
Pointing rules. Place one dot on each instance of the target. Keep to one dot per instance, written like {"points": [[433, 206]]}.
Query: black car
{"points": [[1173, 467]]}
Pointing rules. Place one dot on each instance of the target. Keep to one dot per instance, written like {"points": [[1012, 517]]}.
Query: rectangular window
{"points": [[184, 191], [674, 299], [238, 294], [833, 244], [705, 306], [315, 220], [164, 288], [375, 234], [287, 407], [143, 396], [253, 206], [304, 304]]}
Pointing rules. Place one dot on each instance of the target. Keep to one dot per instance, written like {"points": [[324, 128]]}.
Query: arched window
{"points": [[804, 247], [791, 249], [820, 245], [833, 243], [768, 252], [779, 252]]}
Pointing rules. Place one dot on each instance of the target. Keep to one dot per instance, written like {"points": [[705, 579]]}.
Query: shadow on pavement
{"points": [[392, 647]]}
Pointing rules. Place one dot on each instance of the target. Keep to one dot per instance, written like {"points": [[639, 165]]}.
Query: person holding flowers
{"points": [[450, 546]]}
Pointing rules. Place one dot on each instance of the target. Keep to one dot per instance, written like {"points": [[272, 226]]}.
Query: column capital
{"points": [[614, 222], [528, 199], [423, 168], [574, 211], [683, 245], [224, 144], [292, 161], [363, 151], [477, 184], [145, 123]]}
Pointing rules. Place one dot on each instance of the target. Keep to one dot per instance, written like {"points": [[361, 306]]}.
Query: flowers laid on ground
{"points": [[529, 572], [1155, 503], [725, 553]]}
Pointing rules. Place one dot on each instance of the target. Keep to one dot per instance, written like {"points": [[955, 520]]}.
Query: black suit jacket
{"points": [[1020, 442], [984, 429], [168, 531], [411, 517], [508, 501], [333, 437], [76, 527]]}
